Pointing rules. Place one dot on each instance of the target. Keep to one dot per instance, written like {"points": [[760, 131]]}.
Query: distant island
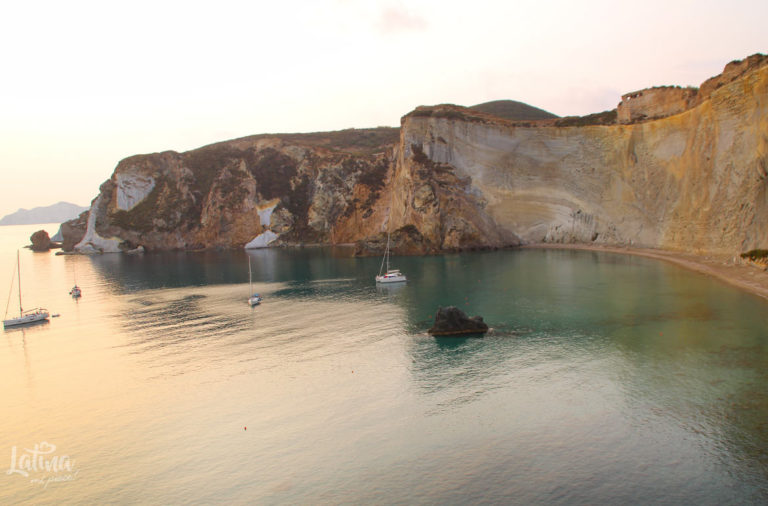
{"points": [[56, 213]]}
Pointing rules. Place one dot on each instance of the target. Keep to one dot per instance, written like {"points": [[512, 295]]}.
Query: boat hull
{"points": [[28, 318], [391, 279]]}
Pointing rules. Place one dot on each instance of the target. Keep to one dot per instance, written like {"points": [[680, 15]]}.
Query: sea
{"points": [[605, 379]]}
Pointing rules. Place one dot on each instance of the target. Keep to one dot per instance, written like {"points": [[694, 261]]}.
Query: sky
{"points": [[84, 84]]}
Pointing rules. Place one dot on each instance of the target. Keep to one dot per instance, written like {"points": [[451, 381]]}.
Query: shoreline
{"points": [[735, 271]]}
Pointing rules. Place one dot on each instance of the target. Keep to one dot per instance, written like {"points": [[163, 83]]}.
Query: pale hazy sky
{"points": [[84, 84]]}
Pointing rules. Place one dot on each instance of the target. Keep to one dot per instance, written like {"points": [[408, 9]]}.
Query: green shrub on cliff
{"points": [[756, 254], [513, 110], [598, 118]]}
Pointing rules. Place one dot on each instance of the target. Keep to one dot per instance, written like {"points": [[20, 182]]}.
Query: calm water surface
{"points": [[605, 379]]}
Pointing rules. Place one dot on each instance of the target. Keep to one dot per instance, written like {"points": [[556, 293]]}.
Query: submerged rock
{"points": [[453, 321]]}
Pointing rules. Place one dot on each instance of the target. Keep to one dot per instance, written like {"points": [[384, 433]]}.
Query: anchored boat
{"points": [[391, 275], [28, 316]]}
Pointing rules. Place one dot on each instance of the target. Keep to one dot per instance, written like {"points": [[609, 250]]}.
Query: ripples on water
{"points": [[604, 379]]}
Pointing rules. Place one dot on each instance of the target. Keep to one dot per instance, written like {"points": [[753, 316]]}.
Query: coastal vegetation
{"points": [[756, 255], [513, 110], [598, 118]]}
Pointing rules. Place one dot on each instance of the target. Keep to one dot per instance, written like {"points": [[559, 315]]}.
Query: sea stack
{"points": [[40, 241], [451, 321]]}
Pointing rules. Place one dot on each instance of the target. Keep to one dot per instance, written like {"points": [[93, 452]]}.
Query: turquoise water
{"points": [[604, 379]]}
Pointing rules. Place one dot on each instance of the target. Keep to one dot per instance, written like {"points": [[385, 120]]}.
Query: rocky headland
{"points": [[676, 169]]}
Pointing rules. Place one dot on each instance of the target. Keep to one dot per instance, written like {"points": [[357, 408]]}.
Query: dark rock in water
{"points": [[40, 241], [453, 321]]}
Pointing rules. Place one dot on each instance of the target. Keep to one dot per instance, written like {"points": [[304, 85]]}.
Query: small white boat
{"points": [[391, 275], [255, 298], [28, 316]]}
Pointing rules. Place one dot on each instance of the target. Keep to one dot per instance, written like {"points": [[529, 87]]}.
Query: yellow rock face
{"points": [[695, 181]]}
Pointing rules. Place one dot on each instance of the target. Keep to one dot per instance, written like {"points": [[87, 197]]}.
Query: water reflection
{"points": [[604, 378], [29, 328], [131, 273], [12, 336], [172, 319], [390, 289], [452, 343], [128, 273]]}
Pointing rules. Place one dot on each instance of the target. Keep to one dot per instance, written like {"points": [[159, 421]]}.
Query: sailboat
{"points": [[75, 292], [391, 275], [255, 298], [25, 317]]}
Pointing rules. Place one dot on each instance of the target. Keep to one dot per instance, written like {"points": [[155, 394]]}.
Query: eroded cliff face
{"points": [[314, 188], [695, 180]]}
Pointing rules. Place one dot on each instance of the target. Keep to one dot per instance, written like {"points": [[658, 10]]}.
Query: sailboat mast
{"points": [[387, 253], [18, 272], [250, 282], [386, 257], [386, 250]]}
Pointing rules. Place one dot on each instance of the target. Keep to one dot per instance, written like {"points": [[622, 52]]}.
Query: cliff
{"points": [[310, 188], [693, 181], [663, 101], [680, 169]]}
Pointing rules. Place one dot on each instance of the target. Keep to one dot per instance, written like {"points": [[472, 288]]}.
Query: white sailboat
{"points": [[25, 317], [390, 275], [255, 298]]}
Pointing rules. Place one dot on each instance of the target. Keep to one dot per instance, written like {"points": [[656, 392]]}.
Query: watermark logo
{"points": [[42, 465]]}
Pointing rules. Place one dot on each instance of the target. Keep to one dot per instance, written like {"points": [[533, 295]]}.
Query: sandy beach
{"points": [[735, 271]]}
